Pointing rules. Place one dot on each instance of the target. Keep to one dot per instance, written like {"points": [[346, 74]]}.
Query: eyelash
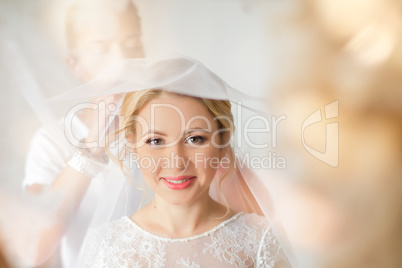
{"points": [[202, 139], [150, 140]]}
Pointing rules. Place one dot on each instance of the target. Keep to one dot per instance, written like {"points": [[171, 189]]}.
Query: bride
{"points": [[180, 140]]}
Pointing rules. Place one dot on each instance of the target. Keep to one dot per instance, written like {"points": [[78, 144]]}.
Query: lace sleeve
{"points": [[271, 253]]}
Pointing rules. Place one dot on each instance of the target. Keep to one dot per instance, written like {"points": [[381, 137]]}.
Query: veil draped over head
{"points": [[126, 192]]}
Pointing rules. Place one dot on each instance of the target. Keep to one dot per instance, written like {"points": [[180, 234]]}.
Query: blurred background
{"points": [[334, 68]]}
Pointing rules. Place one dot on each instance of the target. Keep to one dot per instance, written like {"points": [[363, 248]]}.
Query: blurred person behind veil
{"points": [[97, 34], [340, 88]]}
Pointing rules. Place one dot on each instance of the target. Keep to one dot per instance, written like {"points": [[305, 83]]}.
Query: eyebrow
{"points": [[151, 131], [108, 40], [99, 41], [197, 129]]}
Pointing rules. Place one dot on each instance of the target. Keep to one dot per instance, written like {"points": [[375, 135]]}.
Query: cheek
{"points": [[89, 67], [211, 152], [206, 161], [94, 63], [152, 154], [147, 162]]}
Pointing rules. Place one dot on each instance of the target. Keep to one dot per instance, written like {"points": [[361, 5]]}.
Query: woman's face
{"points": [[176, 142]]}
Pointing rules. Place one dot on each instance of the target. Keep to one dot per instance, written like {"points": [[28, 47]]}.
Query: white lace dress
{"points": [[233, 243]]}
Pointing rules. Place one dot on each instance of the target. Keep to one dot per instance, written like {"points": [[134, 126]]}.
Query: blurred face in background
{"points": [[100, 35]]}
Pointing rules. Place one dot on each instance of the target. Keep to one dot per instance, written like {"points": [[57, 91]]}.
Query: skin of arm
{"points": [[70, 187]]}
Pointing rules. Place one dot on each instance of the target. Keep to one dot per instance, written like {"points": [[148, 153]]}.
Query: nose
{"points": [[119, 51], [178, 158], [116, 52]]}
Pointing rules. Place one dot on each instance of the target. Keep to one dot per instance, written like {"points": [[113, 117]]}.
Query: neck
{"points": [[179, 221]]}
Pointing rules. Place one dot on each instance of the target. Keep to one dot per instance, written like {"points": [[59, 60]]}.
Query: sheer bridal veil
{"points": [[125, 192]]}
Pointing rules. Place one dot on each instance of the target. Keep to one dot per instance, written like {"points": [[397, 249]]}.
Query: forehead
{"points": [[105, 22], [172, 109]]}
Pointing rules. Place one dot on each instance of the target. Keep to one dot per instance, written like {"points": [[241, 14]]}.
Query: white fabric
{"points": [[46, 160], [177, 74], [233, 243], [48, 154]]}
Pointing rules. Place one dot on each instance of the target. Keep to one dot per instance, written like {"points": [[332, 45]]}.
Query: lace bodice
{"points": [[233, 243]]}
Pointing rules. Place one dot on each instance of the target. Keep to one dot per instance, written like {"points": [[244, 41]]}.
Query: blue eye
{"points": [[195, 140], [154, 142]]}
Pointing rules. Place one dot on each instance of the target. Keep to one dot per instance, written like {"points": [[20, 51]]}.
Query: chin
{"points": [[179, 200]]}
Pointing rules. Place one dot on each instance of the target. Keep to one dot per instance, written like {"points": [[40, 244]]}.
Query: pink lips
{"points": [[178, 182]]}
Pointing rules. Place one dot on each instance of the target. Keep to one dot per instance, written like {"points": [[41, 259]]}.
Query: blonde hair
{"points": [[219, 109]]}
